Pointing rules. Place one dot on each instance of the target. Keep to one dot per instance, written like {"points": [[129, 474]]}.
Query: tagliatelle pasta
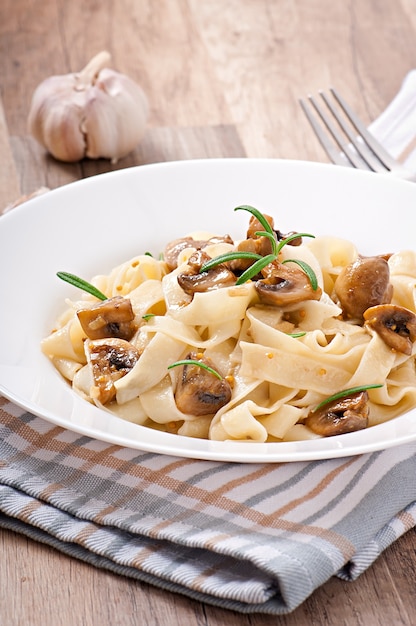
{"points": [[274, 364]]}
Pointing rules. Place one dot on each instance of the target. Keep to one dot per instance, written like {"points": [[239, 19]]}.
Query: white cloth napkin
{"points": [[395, 128]]}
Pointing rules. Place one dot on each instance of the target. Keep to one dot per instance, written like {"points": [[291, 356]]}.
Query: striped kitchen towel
{"points": [[247, 537]]}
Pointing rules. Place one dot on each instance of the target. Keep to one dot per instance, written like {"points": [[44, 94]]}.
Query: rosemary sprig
{"points": [[261, 261], [198, 363], [81, 284], [344, 394]]}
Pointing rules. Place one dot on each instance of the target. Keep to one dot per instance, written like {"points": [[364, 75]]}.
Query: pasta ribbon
{"points": [[278, 361]]}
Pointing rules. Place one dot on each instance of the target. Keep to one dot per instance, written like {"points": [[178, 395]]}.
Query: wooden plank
{"points": [[36, 576], [9, 180]]}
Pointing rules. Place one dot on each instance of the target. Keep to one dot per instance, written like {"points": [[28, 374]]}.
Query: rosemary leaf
{"points": [[81, 284], [291, 237], [272, 239], [258, 215], [198, 363], [254, 269], [307, 269], [343, 394], [228, 256]]}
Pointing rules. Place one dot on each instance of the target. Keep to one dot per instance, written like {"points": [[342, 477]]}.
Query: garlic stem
{"points": [[86, 77]]}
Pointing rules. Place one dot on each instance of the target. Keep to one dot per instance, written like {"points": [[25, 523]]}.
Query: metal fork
{"points": [[345, 138]]}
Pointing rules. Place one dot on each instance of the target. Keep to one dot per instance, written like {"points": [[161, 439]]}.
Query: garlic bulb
{"points": [[96, 113]]}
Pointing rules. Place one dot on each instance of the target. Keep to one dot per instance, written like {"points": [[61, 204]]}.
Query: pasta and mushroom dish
{"points": [[275, 337]]}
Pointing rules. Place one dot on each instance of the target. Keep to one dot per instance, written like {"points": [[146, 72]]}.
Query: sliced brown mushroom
{"points": [[363, 284], [193, 280], [255, 226], [174, 248], [199, 392], [396, 325], [110, 360], [284, 285], [111, 318], [341, 416]]}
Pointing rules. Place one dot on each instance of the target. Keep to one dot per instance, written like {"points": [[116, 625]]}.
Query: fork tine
{"points": [[329, 147], [362, 148], [370, 140], [346, 156], [348, 141]]}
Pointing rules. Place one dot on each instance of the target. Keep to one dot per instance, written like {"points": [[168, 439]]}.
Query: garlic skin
{"points": [[96, 113]]}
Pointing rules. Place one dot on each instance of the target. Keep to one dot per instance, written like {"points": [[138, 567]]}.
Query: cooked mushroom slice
{"points": [[110, 360], [174, 248], [111, 318], [363, 284], [193, 280], [255, 226], [344, 415], [395, 325], [199, 392], [284, 285]]}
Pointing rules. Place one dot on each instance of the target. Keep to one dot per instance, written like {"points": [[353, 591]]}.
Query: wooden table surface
{"points": [[223, 79]]}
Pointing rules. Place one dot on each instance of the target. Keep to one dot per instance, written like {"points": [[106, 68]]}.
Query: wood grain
{"points": [[223, 79], [9, 180]]}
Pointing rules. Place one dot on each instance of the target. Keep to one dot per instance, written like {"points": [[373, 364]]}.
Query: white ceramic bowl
{"points": [[89, 226]]}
